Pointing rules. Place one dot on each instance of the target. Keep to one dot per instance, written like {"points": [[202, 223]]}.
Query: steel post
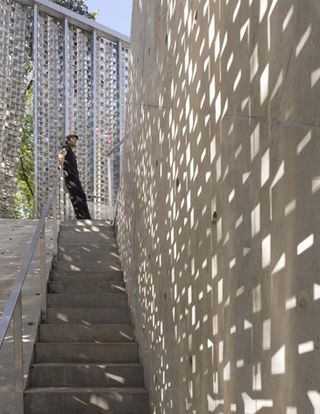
{"points": [[18, 355]]}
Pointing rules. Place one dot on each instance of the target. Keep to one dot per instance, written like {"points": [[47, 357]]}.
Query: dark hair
{"points": [[72, 136]]}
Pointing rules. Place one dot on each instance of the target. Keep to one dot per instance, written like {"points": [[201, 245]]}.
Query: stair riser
{"points": [[85, 403], [96, 256], [84, 333], [86, 277], [86, 287], [68, 352], [106, 242], [72, 240], [82, 300], [87, 376], [101, 247], [89, 224], [78, 229], [90, 315], [86, 266]]}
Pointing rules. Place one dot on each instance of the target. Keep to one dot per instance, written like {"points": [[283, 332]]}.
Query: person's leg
{"points": [[78, 198], [72, 190], [83, 206]]}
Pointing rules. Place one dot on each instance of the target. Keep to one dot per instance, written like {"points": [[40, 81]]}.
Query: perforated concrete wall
{"points": [[218, 220]]}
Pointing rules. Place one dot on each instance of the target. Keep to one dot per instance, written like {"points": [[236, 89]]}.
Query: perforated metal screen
{"points": [[85, 92], [80, 81], [15, 32]]}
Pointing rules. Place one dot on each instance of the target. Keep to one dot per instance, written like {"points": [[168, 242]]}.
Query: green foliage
{"points": [[25, 184], [78, 6]]}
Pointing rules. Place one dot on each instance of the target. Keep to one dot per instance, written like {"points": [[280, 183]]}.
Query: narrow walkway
{"points": [[16, 235], [86, 359]]}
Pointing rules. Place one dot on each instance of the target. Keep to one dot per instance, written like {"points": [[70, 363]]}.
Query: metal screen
{"points": [[15, 32], [85, 94], [80, 80]]}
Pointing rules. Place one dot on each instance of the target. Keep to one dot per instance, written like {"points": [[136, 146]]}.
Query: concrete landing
{"points": [[14, 241]]}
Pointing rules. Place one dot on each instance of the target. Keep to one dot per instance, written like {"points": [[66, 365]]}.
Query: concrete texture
{"points": [[218, 224], [86, 360], [100, 400], [84, 375], [86, 333], [86, 352], [15, 238], [94, 315]]}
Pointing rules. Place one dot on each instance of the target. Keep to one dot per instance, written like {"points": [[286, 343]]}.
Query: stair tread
{"points": [[87, 333], [87, 295], [89, 281], [87, 343], [87, 300], [88, 315], [87, 267], [117, 283], [85, 352], [85, 364], [83, 279], [86, 271], [84, 294], [57, 277], [81, 325], [133, 390], [84, 308], [86, 287]]}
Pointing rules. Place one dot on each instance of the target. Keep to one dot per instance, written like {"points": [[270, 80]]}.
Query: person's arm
{"points": [[62, 155]]}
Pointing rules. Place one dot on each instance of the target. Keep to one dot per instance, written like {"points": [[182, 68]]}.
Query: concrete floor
{"points": [[14, 241]]}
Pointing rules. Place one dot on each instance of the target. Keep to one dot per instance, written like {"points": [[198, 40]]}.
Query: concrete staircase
{"points": [[86, 359]]}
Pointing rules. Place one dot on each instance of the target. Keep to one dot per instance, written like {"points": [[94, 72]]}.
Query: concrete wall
{"points": [[219, 206]]}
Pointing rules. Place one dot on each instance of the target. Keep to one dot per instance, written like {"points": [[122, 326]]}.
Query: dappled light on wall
{"points": [[218, 212]]}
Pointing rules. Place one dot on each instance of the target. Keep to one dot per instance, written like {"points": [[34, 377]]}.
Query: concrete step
{"points": [[86, 300], [106, 315], [88, 286], [86, 360], [92, 253], [86, 352], [86, 401], [86, 333], [86, 375], [89, 251], [86, 276], [100, 233], [86, 224], [86, 240], [88, 265]]}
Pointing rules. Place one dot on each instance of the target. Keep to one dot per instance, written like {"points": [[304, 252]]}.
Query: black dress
{"points": [[73, 183]]}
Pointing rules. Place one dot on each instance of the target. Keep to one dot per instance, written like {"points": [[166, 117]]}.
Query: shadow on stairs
{"points": [[86, 358]]}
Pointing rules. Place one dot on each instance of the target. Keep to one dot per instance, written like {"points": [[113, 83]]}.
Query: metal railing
{"points": [[13, 307]]}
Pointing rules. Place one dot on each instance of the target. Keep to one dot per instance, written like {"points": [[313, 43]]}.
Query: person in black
{"points": [[68, 163]]}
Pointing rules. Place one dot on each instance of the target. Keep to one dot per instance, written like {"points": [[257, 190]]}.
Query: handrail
{"points": [[12, 308]]}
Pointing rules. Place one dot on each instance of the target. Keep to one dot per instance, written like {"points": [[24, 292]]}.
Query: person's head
{"points": [[72, 139]]}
